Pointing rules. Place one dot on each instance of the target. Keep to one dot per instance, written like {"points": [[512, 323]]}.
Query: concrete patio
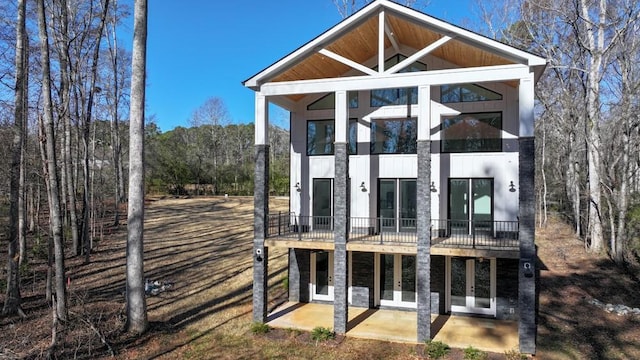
{"points": [[400, 326]]}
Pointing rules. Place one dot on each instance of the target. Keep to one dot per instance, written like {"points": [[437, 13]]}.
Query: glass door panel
{"points": [[458, 282], [322, 275], [408, 278], [482, 284], [459, 205], [408, 204], [483, 204], [387, 204], [386, 277], [322, 209]]}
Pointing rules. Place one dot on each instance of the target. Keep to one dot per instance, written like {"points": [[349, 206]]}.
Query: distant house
{"points": [[412, 171]]}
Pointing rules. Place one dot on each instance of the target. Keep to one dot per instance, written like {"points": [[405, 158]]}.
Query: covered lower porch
{"points": [[400, 326]]}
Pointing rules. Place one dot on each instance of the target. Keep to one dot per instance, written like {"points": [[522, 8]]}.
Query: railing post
{"points": [[279, 223], [473, 234], [300, 228]]}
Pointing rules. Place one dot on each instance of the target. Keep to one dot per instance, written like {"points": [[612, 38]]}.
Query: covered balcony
{"points": [[448, 237]]}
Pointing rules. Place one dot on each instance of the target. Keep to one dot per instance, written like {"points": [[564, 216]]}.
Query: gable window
{"points": [[394, 136], [384, 97], [321, 136], [328, 102], [466, 93], [479, 132]]}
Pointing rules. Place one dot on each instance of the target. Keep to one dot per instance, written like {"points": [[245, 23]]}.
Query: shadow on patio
{"points": [[400, 326]]}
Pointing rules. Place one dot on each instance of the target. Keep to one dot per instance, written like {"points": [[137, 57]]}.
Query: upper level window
{"points": [[478, 132], [394, 136], [321, 136], [384, 97], [328, 102], [466, 93]]}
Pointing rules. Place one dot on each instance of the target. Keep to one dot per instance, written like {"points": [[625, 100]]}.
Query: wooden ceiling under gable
{"points": [[360, 44]]}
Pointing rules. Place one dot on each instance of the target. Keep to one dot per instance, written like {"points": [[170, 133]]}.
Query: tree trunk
{"points": [[52, 173], [136, 302], [13, 299]]}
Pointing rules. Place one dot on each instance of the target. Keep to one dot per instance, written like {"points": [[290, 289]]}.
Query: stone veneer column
{"points": [[260, 252], [527, 294], [340, 224], [423, 259]]}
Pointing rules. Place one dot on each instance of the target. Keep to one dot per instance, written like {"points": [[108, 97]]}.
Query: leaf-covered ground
{"points": [[201, 248]]}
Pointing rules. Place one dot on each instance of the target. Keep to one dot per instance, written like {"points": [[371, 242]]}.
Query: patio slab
{"points": [[400, 326]]}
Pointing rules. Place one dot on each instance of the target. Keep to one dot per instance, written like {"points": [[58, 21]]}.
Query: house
{"points": [[412, 171]]}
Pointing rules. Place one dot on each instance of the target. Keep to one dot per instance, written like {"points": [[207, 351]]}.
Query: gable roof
{"points": [[355, 40]]}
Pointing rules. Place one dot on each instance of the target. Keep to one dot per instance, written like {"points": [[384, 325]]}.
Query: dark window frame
{"points": [[411, 142], [352, 147], [400, 93], [461, 95]]}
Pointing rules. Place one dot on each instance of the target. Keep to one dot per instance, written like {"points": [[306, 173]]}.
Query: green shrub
{"points": [[472, 353], [514, 354], [260, 328], [285, 283], [436, 349], [320, 333]]}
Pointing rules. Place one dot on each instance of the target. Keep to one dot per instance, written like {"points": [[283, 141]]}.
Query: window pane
{"points": [[385, 97], [353, 136], [466, 93], [320, 137], [395, 136], [472, 133], [328, 101]]}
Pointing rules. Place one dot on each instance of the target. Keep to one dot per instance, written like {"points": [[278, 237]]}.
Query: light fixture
{"points": [[512, 187], [298, 188], [363, 188], [433, 187]]}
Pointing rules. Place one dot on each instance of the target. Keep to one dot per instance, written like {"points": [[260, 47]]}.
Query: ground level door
{"points": [[471, 284], [396, 280], [322, 275]]}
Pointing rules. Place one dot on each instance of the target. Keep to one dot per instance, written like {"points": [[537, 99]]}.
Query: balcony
{"points": [[447, 236]]}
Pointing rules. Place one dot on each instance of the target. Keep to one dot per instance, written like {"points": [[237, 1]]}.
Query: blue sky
{"points": [[200, 49]]}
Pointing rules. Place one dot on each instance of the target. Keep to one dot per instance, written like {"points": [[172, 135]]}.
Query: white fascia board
{"points": [[313, 45], [473, 38], [400, 80]]}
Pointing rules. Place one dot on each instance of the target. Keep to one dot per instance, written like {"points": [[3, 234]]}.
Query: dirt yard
{"points": [[199, 249]]}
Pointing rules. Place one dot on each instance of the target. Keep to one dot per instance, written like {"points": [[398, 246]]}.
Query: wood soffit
{"points": [[360, 44]]}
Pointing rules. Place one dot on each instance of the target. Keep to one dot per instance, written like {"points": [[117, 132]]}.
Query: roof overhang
{"points": [[342, 57]]}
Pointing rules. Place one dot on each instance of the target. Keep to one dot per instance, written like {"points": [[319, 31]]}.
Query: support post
{"points": [[341, 215], [527, 292], [260, 211], [423, 260]]}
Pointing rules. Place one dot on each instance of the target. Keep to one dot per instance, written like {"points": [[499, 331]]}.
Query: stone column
{"points": [[423, 259], [341, 216], [260, 211], [527, 293]]}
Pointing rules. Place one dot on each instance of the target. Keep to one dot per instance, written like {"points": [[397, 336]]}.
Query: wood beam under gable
{"points": [[381, 22], [348, 62], [391, 36], [413, 58]]}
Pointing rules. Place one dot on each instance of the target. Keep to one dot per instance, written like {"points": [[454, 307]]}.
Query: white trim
{"points": [[392, 39], [526, 96], [348, 62], [401, 80], [381, 35], [262, 119], [470, 274], [424, 112], [341, 117], [397, 283], [313, 284]]}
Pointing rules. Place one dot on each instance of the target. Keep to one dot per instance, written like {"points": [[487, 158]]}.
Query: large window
{"points": [[384, 97], [472, 133], [328, 102], [321, 136], [394, 136], [466, 93]]}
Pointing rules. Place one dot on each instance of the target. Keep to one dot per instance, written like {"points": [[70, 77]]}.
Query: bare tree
{"points": [[136, 302], [13, 299], [348, 7], [51, 170]]}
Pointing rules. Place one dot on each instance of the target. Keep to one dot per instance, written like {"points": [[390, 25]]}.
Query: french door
{"points": [[322, 203], [322, 275], [471, 285], [396, 275], [470, 205], [397, 204]]}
